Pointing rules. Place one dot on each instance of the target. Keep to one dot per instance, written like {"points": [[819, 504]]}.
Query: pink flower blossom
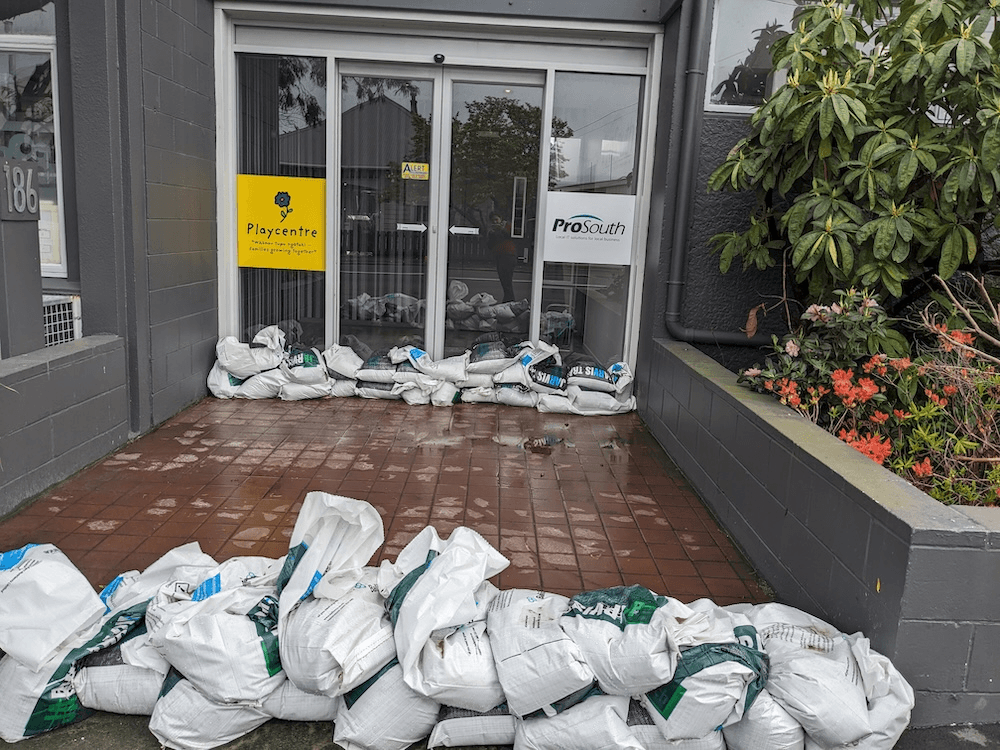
{"points": [[791, 348], [752, 372]]}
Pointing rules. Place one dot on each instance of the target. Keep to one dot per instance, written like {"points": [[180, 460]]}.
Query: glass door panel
{"points": [[282, 132], [385, 199], [495, 142]]}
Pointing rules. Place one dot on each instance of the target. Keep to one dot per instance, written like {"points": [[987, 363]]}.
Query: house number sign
{"points": [[18, 196]]}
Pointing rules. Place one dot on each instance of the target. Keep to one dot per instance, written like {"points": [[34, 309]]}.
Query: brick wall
{"points": [[178, 105], [837, 535]]}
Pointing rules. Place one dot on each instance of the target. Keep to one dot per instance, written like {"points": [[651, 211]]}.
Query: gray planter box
{"points": [[837, 535]]}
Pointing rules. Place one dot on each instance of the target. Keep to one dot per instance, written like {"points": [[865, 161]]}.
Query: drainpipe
{"points": [[696, 32]]}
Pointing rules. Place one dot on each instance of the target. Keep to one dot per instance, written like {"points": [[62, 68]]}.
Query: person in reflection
{"points": [[504, 252]]}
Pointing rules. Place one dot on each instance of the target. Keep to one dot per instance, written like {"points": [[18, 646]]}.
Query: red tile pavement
{"points": [[574, 502]]}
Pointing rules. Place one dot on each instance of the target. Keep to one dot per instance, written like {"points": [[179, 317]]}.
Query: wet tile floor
{"points": [[575, 503]]}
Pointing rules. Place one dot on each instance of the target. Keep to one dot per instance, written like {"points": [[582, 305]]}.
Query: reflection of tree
{"points": [[298, 80], [497, 141], [747, 83], [30, 100]]}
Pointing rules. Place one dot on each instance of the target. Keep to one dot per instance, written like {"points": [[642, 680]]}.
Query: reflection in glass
{"points": [[385, 178], [741, 50], [19, 18], [583, 310], [595, 120], [496, 133], [282, 131], [27, 132]]}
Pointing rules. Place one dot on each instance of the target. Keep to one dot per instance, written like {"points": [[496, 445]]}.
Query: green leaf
{"points": [[991, 147], [951, 254], [965, 55], [885, 238], [907, 170]]}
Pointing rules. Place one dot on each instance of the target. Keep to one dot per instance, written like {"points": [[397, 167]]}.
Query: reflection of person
{"points": [[505, 253]]}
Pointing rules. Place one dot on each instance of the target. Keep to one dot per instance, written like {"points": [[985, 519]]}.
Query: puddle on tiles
{"points": [[541, 445]]}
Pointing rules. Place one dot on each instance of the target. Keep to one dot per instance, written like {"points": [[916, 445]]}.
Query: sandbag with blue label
{"points": [[438, 611], [332, 534], [626, 634], [45, 601], [339, 636]]}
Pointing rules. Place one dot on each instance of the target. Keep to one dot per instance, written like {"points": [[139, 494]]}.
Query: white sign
{"points": [[589, 228]]}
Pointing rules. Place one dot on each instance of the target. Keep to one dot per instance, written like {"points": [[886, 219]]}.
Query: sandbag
{"points": [[598, 723], [332, 534], [104, 681], [816, 678], [186, 563], [305, 366], [446, 394], [477, 380], [547, 377], [368, 389], [224, 643], [262, 354], [537, 663], [338, 637], [384, 713], [442, 592], [451, 369], [221, 383], [889, 696], [491, 357], [591, 376], [185, 719], [44, 602], [516, 395], [459, 727], [480, 395], [343, 388], [641, 725], [554, 403], [714, 684], [624, 634], [378, 368], [36, 701], [765, 724], [265, 385], [289, 703], [303, 392], [343, 360]]}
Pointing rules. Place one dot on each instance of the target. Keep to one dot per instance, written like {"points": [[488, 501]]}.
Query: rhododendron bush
{"points": [[929, 410]]}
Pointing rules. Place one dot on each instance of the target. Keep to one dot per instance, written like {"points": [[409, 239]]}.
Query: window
{"points": [[740, 63], [29, 117]]}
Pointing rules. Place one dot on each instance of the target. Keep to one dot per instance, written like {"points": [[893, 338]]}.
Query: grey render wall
{"points": [[178, 125], [837, 535], [63, 407]]}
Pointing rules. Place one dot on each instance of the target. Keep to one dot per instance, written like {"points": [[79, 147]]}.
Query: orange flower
{"points": [[950, 390], [923, 469], [879, 417]]}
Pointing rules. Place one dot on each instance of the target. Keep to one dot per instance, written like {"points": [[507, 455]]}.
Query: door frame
{"points": [[390, 37]]}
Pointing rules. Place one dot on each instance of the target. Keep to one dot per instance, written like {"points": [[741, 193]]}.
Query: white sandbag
{"points": [[622, 376], [765, 724], [713, 685], [388, 391], [477, 380], [598, 723], [640, 723], [445, 394], [517, 395], [595, 402], [530, 356], [406, 372], [36, 701], [262, 354], [288, 703], [537, 663], [816, 678], [303, 392], [45, 601], [185, 719], [480, 395], [265, 385], [547, 377], [440, 593], [590, 376], [225, 644], [223, 384], [459, 727], [336, 639], [378, 368], [105, 682], [890, 697], [305, 366], [706, 622], [343, 388], [384, 713], [491, 357], [343, 360], [451, 369], [625, 635], [553, 403], [185, 563], [332, 534], [414, 395]]}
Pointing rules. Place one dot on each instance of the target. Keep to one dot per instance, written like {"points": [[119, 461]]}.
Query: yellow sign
{"points": [[416, 170], [281, 222]]}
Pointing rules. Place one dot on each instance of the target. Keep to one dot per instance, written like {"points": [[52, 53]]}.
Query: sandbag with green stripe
{"points": [[713, 685]]}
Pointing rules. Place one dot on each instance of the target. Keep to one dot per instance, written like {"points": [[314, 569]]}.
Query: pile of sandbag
{"points": [[424, 647], [482, 311], [492, 371], [395, 307]]}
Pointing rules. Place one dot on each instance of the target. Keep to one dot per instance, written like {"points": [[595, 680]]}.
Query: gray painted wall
{"points": [[837, 535], [178, 128]]}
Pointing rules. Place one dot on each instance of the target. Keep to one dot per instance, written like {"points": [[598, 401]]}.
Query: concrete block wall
{"points": [[178, 110], [63, 407], [837, 535]]}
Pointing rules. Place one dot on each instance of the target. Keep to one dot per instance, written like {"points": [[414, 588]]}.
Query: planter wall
{"points": [[837, 535]]}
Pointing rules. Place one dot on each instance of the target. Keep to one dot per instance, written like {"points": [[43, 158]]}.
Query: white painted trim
{"points": [[225, 174]]}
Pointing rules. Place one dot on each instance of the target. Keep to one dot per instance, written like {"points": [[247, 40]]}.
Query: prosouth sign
{"points": [[589, 228]]}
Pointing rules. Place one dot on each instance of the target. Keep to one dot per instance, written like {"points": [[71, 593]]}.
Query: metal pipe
{"points": [[699, 29]]}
